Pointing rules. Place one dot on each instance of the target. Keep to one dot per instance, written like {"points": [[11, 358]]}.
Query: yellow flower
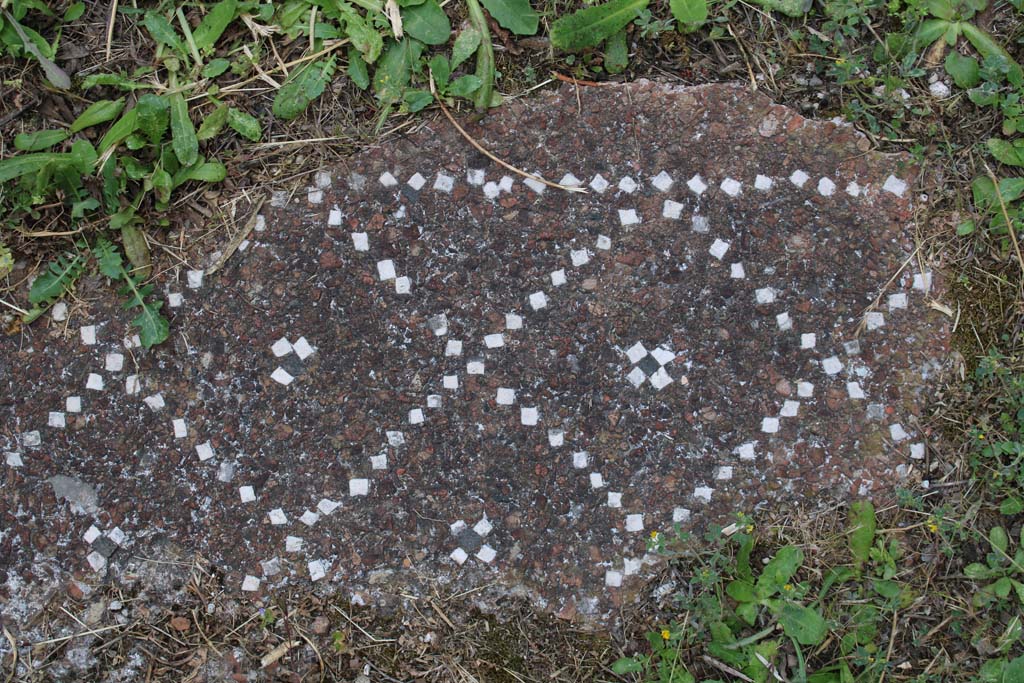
{"points": [[654, 535], [788, 587], [981, 437], [750, 528], [932, 526], [665, 634]]}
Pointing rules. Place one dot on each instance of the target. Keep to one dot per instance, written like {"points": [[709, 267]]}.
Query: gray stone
{"points": [[81, 496]]}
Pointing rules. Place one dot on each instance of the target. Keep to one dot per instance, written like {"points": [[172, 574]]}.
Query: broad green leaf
{"points": [[966, 228], [977, 571], [357, 69], [627, 665], [58, 277], [427, 22], [747, 611], [984, 193], [931, 30], [153, 327], [183, 133], [791, 8], [215, 68], [886, 588], [6, 260], [56, 75], [83, 156], [741, 591], [440, 70], [114, 80], [136, 249], [465, 45], [1011, 154], [998, 539], [302, 87], [1013, 672], [781, 568], [862, 530], [364, 37], [213, 24], [417, 100], [943, 9], [963, 70], [803, 624], [25, 164], [207, 172], [153, 116], [161, 30], [691, 14], [39, 140], [74, 11], [1011, 506], [245, 124], [988, 47], [953, 32], [394, 70], [97, 113], [591, 26], [616, 53], [464, 86], [108, 258], [515, 15], [214, 123], [124, 127], [162, 184]]}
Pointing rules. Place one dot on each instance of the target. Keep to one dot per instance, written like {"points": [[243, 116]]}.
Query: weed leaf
{"points": [[427, 22], [394, 70], [214, 23], [161, 30], [616, 53], [691, 14], [124, 127], [1005, 152], [357, 69], [862, 530], [963, 70], [108, 258], [592, 26], [39, 140], [803, 624], [97, 113], [59, 277], [245, 124], [302, 87], [153, 115], [183, 133], [465, 45], [515, 15], [213, 124]]}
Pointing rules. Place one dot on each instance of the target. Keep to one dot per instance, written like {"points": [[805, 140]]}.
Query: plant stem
{"points": [[484, 56]]}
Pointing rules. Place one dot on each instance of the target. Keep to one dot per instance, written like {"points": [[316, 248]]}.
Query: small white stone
{"points": [[96, 561], [180, 428], [732, 187], [895, 186], [309, 518], [88, 334], [31, 439], [155, 402], [334, 217], [388, 180], [322, 179], [486, 554], [505, 397], [799, 178], [804, 389], [386, 270], [556, 438], [579, 257], [763, 183], [114, 362], [513, 321], [680, 515], [718, 249], [538, 300], [195, 279], [636, 377], [599, 184], [292, 544], [494, 341], [395, 439], [826, 188], [854, 390], [746, 451], [765, 295], [873, 320], [278, 518], [379, 462], [91, 534], [736, 271], [700, 224], [358, 487], [361, 241], [537, 186], [789, 408], [416, 416], [491, 190], [505, 184], [73, 404], [315, 196], [453, 347], [723, 473], [459, 556], [897, 432], [117, 536], [580, 459], [614, 499], [303, 349], [897, 301], [281, 376], [917, 451], [604, 243], [444, 183], [175, 299], [628, 185], [483, 527], [596, 480], [703, 494], [326, 506], [636, 352], [672, 210], [663, 181], [94, 382], [831, 365], [416, 182], [784, 322], [529, 416], [132, 385], [458, 527], [635, 522], [14, 459], [663, 355], [250, 584], [204, 451], [808, 341], [660, 379], [476, 176], [770, 425], [451, 382], [475, 367], [558, 277], [853, 189], [59, 311], [628, 217], [247, 494], [569, 180], [56, 419], [317, 570], [697, 185], [923, 281], [282, 347], [261, 220], [612, 578]]}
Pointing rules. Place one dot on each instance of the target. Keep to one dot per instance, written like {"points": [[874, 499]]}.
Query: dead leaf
{"points": [[181, 624]]}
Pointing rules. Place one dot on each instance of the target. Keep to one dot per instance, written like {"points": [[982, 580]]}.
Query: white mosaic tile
{"points": [[155, 402], [59, 311], [459, 556], [315, 196], [334, 217], [444, 183], [765, 295], [250, 584], [475, 176], [96, 561], [663, 181], [853, 189], [596, 480], [282, 347], [453, 347], [360, 241], [386, 270], [175, 299], [680, 515], [132, 385], [579, 257], [599, 184], [770, 425], [309, 518], [529, 416], [831, 365], [635, 522], [660, 379], [91, 534], [180, 428], [612, 579], [854, 390], [917, 451], [483, 527], [450, 382], [804, 389], [88, 335], [358, 487], [505, 184], [897, 301], [923, 281], [895, 186], [505, 396], [94, 382], [799, 178], [723, 473], [56, 419], [604, 243], [808, 340], [73, 404], [826, 188], [636, 352], [31, 439], [558, 278], [114, 362], [783, 322], [535, 185], [292, 544], [317, 570], [494, 341], [416, 181], [379, 462], [277, 517], [281, 376], [628, 217], [326, 506], [732, 187], [719, 248], [303, 349], [789, 408], [195, 278], [388, 180], [416, 416], [513, 321], [672, 210], [395, 438], [736, 271], [697, 185], [486, 554], [117, 536], [491, 190], [763, 183], [897, 432], [628, 185], [703, 494], [556, 438], [700, 224], [205, 451], [538, 300], [614, 499], [569, 180], [247, 494], [746, 451], [475, 367], [663, 355], [874, 319], [636, 377]]}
